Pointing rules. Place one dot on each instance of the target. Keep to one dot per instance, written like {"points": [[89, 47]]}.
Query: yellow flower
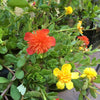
{"points": [[90, 73], [68, 10], [81, 48], [79, 27], [64, 76]]}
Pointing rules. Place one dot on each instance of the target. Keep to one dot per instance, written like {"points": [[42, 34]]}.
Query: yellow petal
{"points": [[80, 30], [69, 85], [60, 85], [89, 77], [56, 71], [66, 67], [68, 10], [81, 48], [83, 75], [65, 8], [79, 24], [74, 75]]}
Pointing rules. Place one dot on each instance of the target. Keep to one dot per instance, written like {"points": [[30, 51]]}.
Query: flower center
{"points": [[65, 77]]}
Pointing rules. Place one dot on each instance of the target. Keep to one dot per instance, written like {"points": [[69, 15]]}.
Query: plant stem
{"points": [[49, 2], [9, 69], [44, 97], [69, 2], [61, 16], [6, 97], [22, 97], [97, 91], [57, 19], [87, 97], [66, 29], [77, 71], [96, 85]]}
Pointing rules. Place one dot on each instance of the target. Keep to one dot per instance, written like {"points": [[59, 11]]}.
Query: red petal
{"points": [[28, 36], [53, 41], [43, 31], [30, 51]]}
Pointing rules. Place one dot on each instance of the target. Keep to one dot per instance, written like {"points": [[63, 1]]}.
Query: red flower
{"points": [[39, 42], [57, 99], [84, 39]]}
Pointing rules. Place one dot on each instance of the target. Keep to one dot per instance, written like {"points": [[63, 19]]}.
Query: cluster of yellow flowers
{"points": [[65, 75], [90, 73]]}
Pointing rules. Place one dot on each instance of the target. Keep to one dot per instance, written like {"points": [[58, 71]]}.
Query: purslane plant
{"points": [[32, 60]]}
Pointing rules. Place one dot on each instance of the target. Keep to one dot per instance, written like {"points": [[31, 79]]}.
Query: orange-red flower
{"points": [[84, 39], [39, 42]]}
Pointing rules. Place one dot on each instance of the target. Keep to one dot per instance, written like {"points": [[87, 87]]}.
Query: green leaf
{"points": [[73, 42], [3, 80], [83, 92], [77, 57], [1, 67], [21, 62], [97, 80], [10, 58], [90, 4], [20, 45], [19, 74], [18, 3], [1, 97], [15, 93], [9, 76], [85, 85], [39, 2], [80, 97], [94, 60], [12, 43], [33, 59], [52, 95], [62, 61], [44, 6], [95, 8], [51, 27], [1, 33], [81, 68], [45, 72], [3, 49], [33, 94], [93, 93], [85, 61], [77, 84]]}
